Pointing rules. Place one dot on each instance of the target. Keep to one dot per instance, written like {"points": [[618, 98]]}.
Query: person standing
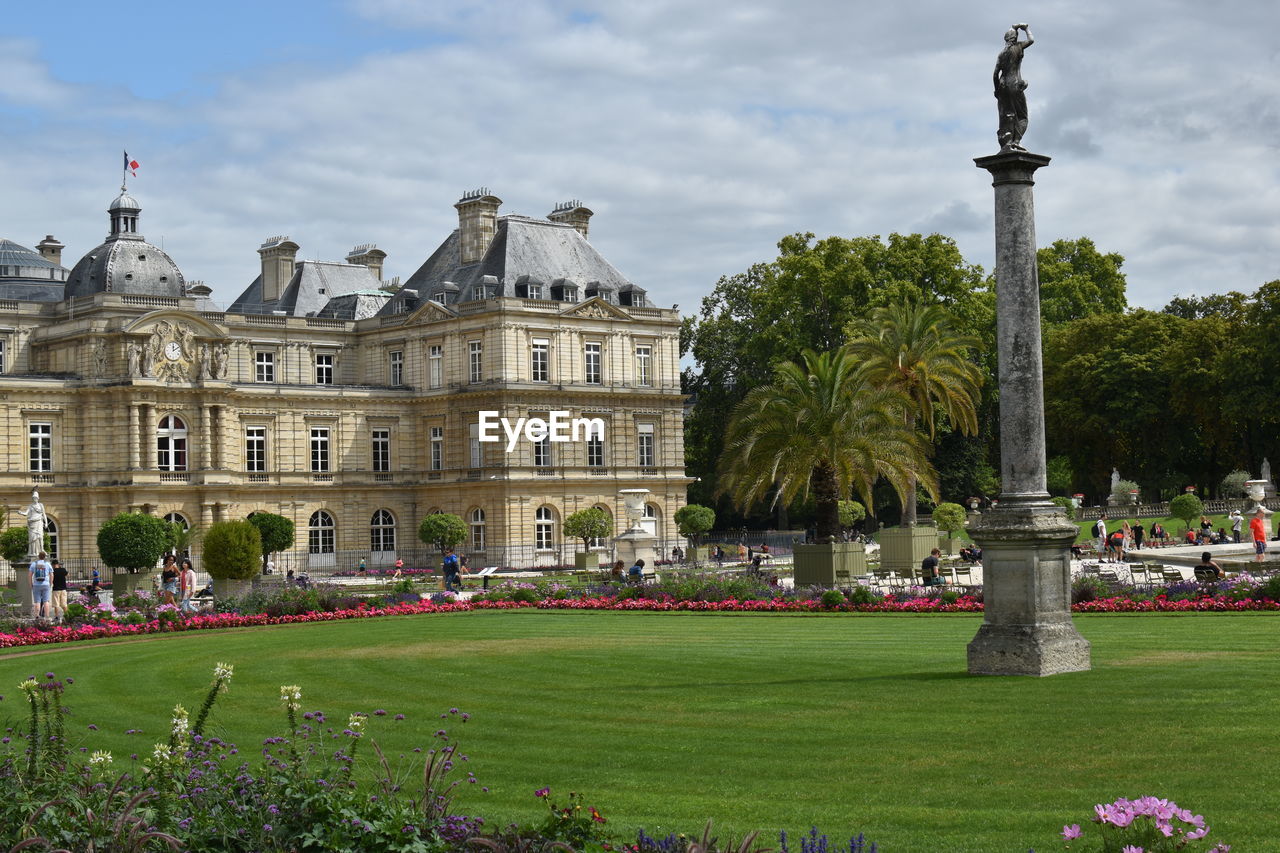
{"points": [[1100, 535], [169, 580], [1139, 533], [1257, 529], [59, 592], [187, 585], [1237, 525], [41, 583]]}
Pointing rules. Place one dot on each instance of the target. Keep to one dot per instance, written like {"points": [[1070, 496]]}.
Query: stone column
{"points": [[206, 434], [133, 437], [1025, 539], [149, 436], [217, 444]]}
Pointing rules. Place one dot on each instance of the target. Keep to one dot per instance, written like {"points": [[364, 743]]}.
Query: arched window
{"points": [[382, 531], [171, 444], [602, 541], [320, 533], [180, 520], [544, 528], [650, 520], [51, 533], [477, 529]]}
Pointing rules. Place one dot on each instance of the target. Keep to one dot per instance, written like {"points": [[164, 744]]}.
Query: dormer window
{"points": [[164, 278], [142, 257]]}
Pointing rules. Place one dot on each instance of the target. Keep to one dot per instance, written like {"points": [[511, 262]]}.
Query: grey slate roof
{"points": [[27, 275], [355, 306], [313, 284], [540, 249], [126, 264]]}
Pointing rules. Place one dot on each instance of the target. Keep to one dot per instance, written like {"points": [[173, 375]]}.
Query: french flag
{"points": [[130, 166]]}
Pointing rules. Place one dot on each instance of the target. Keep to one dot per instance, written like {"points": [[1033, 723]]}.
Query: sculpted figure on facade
{"points": [[36, 518], [99, 359], [218, 362]]}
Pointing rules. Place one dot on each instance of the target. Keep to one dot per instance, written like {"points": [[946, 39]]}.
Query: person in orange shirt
{"points": [[1258, 527]]}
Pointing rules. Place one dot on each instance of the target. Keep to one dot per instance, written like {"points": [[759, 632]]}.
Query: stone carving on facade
{"points": [[218, 361], [133, 354], [98, 364], [595, 312]]}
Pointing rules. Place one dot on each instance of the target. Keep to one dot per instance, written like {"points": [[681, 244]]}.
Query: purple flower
{"points": [[92, 727], [379, 713], [1071, 832], [399, 716], [542, 792], [266, 827]]}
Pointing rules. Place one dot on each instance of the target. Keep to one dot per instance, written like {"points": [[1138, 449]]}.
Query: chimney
{"points": [[368, 255], [50, 249], [572, 213], [278, 257], [477, 224]]}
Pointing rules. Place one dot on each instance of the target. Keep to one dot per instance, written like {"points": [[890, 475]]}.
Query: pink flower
{"points": [[1071, 832], [542, 792], [1131, 848]]}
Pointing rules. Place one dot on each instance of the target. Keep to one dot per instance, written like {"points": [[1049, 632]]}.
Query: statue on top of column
{"points": [[1010, 89], [36, 518]]}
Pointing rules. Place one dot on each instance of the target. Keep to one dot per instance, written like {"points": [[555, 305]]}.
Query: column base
{"points": [[1028, 650]]}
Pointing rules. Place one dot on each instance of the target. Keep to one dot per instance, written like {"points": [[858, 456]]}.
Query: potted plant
{"points": [[949, 517], [692, 521], [232, 550], [588, 524], [131, 544]]}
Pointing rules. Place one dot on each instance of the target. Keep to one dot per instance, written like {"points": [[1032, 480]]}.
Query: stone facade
{"points": [[354, 428]]}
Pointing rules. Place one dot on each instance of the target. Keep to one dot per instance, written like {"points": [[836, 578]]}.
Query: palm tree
{"points": [[913, 349], [821, 427]]}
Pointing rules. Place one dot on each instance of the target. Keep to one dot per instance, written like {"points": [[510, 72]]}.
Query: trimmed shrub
{"points": [[232, 550], [13, 544], [133, 540], [443, 529], [276, 532]]}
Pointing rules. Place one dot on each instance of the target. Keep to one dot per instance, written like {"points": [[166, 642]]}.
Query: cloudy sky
{"points": [[699, 131]]}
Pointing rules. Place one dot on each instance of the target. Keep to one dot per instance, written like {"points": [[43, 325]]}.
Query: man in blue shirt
{"points": [[41, 584], [451, 573]]}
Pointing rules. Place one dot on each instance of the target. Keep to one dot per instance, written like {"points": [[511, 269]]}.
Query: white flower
{"points": [[222, 671], [355, 723], [180, 724], [100, 758], [291, 696], [29, 686]]}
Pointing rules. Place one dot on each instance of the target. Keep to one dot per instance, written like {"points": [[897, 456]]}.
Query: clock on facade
{"points": [[172, 350]]}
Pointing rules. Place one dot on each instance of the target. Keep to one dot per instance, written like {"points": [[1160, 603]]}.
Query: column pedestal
{"points": [[636, 545], [22, 575]]}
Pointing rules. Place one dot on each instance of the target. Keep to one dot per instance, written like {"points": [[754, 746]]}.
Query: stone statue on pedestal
{"points": [[36, 518], [1010, 89]]}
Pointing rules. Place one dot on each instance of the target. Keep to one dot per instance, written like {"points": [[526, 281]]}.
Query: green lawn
{"points": [[853, 723], [1175, 527]]}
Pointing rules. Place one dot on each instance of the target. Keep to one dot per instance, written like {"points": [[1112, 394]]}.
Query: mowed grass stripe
{"points": [[852, 723]]}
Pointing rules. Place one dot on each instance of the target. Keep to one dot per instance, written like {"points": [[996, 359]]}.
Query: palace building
{"points": [[346, 403]]}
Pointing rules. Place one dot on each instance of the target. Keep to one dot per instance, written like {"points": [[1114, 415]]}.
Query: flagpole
{"points": [[124, 173]]}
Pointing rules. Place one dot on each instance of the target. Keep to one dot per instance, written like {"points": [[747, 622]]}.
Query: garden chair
{"points": [[1139, 573], [1172, 575], [962, 573]]}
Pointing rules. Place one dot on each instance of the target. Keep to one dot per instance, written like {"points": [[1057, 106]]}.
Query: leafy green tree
{"points": [[913, 349], [1076, 280], [13, 544], [1187, 507], [1058, 474], [1120, 493], [588, 524], [133, 541], [851, 512], [693, 520], [276, 533], [1233, 484], [949, 517], [821, 427], [443, 529], [232, 550]]}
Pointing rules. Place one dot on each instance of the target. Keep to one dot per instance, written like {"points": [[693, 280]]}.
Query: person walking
{"points": [[1257, 529], [169, 580], [1139, 533], [450, 567], [58, 598], [187, 585], [1237, 525], [41, 583]]}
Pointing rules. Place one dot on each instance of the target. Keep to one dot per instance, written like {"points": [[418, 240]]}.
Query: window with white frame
{"points": [[321, 533], [51, 533], [171, 444], [542, 453], [437, 448], [264, 366], [382, 531], [475, 350], [595, 452], [544, 528], [591, 363], [477, 449], [396, 363], [644, 363], [324, 368], [540, 360], [644, 445], [255, 448], [381, 439], [477, 529], [40, 440], [435, 366], [319, 449]]}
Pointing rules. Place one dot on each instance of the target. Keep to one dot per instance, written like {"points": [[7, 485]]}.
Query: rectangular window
{"points": [[591, 364], [595, 452], [644, 358], [397, 367], [255, 448], [382, 450], [324, 369], [264, 367], [41, 439], [437, 448], [477, 449], [644, 445], [542, 453], [540, 362], [476, 349], [535, 291], [435, 366], [319, 449]]}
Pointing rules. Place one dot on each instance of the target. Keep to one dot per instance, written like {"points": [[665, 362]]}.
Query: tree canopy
{"points": [[588, 524], [133, 540], [231, 550], [443, 529], [276, 532]]}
